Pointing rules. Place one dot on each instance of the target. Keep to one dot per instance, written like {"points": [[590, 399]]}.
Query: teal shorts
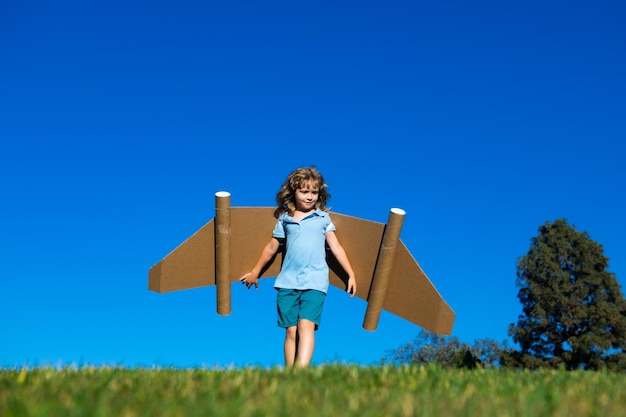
{"points": [[295, 305]]}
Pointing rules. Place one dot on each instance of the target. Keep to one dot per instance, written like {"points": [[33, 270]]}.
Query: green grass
{"points": [[329, 390]]}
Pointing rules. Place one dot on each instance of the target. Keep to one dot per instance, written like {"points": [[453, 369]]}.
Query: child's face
{"points": [[307, 196]]}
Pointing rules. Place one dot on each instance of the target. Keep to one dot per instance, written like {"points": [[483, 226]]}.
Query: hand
{"points": [[249, 280], [351, 286]]}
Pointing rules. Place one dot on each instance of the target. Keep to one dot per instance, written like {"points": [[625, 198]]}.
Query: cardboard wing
{"points": [[388, 277]]}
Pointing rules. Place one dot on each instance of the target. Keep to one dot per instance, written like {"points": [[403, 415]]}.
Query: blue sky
{"points": [[120, 120]]}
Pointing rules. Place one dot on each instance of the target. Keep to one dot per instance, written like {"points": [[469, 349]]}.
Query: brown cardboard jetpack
{"points": [[228, 246]]}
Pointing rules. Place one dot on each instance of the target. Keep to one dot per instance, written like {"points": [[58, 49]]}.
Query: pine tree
{"points": [[574, 313]]}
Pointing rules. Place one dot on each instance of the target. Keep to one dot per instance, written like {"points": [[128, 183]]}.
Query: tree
{"points": [[574, 313], [448, 352]]}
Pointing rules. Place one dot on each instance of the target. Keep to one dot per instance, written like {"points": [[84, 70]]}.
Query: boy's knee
{"points": [[306, 325], [291, 332]]}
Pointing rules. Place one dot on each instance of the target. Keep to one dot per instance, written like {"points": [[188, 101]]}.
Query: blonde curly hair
{"points": [[285, 198]]}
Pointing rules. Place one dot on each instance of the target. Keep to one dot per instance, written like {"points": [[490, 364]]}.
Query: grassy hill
{"points": [[328, 390]]}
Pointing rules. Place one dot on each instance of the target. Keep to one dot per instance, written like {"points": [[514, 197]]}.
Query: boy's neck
{"points": [[299, 214]]}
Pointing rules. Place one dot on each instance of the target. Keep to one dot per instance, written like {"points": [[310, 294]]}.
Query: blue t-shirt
{"points": [[304, 265]]}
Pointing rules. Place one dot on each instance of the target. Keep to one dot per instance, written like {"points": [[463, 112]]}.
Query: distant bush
{"points": [[447, 351]]}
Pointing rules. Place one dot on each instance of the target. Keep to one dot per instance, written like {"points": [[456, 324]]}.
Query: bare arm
{"points": [[342, 258], [252, 277]]}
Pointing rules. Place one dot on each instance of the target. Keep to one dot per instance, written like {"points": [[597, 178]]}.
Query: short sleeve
{"points": [[279, 230], [331, 227]]}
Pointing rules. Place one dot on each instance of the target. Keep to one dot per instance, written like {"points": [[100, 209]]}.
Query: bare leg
{"points": [[291, 334], [306, 342]]}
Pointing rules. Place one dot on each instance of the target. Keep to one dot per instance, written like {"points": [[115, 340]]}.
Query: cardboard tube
{"points": [[222, 252], [382, 271]]}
